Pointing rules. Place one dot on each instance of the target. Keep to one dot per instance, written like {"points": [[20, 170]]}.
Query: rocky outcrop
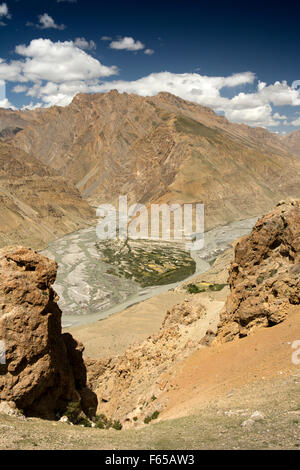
{"points": [[129, 387], [264, 277], [44, 369]]}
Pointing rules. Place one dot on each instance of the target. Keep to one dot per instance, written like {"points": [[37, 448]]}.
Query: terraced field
{"points": [[150, 263]]}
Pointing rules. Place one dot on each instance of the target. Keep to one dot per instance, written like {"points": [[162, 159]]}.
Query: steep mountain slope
{"points": [[11, 120], [254, 137], [292, 141], [161, 148], [36, 204]]}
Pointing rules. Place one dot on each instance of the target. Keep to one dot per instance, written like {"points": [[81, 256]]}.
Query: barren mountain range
{"points": [[36, 203], [56, 165], [292, 141], [153, 149]]}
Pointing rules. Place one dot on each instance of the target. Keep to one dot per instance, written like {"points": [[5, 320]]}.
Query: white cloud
{"points": [[4, 13], [258, 116], [65, 68], [4, 10], [59, 94], [54, 61], [46, 22], [296, 122], [127, 43], [279, 94], [83, 43], [20, 89], [12, 71], [6, 104], [190, 86], [54, 72], [31, 106], [253, 109], [2, 90], [278, 116]]}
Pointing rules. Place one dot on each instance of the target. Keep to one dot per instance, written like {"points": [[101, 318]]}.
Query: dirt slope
{"points": [[212, 414], [214, 372]]}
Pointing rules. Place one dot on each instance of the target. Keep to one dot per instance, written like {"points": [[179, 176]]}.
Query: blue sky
{"points": [[239, 58]]}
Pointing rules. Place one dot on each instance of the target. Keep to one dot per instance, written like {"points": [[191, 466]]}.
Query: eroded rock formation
{"points": [[264, 277], [44, 369], [128, 387]]}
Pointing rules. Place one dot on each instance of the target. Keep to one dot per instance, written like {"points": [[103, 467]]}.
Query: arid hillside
{"points": [[159, 148], [292, 141], [182, 385], [36, 203], [264, 292]]}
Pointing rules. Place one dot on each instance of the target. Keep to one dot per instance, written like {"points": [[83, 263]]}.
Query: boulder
{"points": [[44, 369], [264, 276]]}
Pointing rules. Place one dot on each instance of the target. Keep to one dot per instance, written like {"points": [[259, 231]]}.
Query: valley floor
{"points": [[113, 335]]}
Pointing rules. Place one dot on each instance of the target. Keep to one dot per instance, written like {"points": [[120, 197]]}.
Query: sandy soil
{"points": [[214, 372], [114, 334]]}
